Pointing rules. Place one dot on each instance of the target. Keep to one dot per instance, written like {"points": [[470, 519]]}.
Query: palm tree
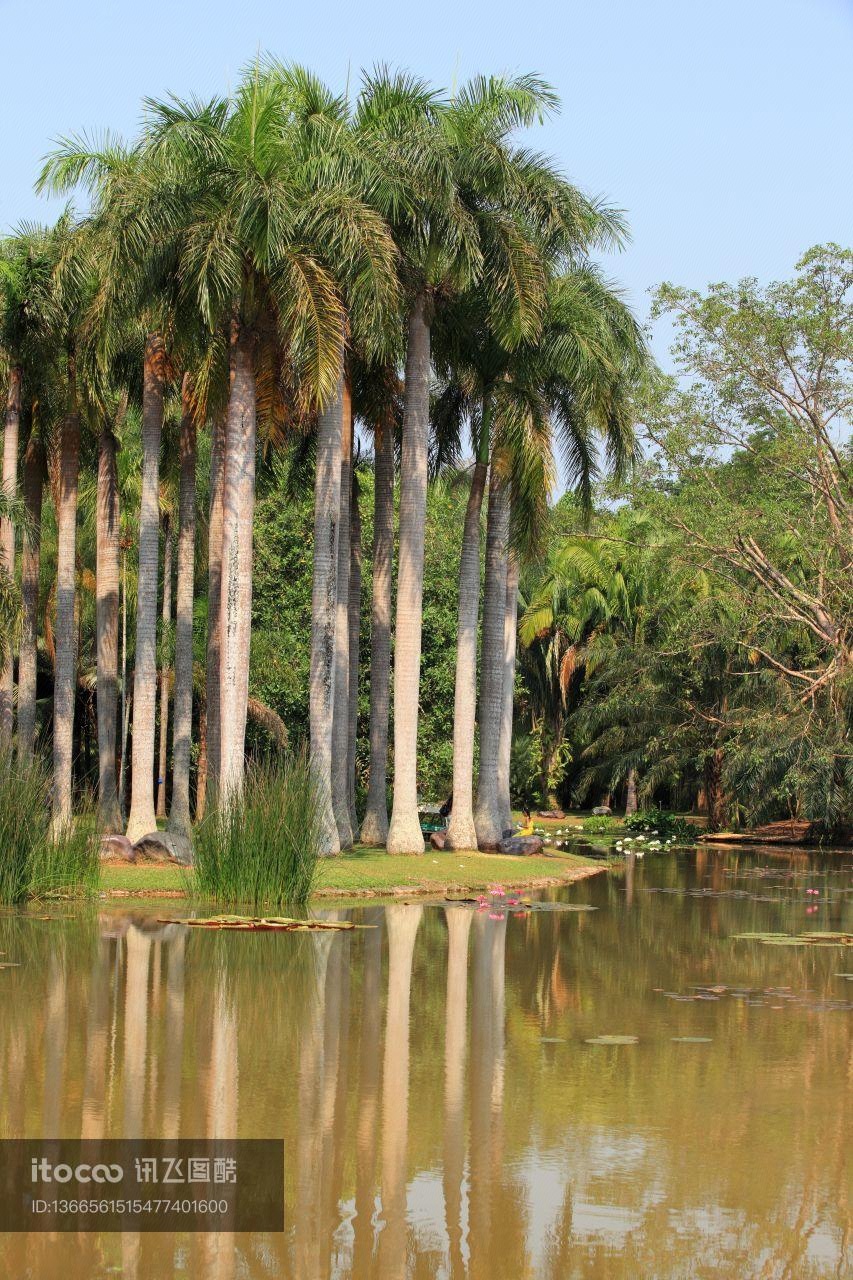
{"points": [[341, 711], [378, 399], [33, 488], [327, 485], [107, 588], [457, 219], [354, 640], [25, 300], [209, 779], [7, 533], [244, 167], [179, 813], [142, 819], [597, 596], [65, 305]]}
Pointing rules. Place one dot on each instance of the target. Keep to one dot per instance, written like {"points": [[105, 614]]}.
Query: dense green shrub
{"points": [[666, 825], [261, 850], [599, 825], [34, 862]]}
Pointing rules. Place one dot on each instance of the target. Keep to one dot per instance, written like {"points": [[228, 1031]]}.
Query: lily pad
{"points": [[691, 1039], [551, 1040], [798, 940], [265, 923], [613, 1040]]}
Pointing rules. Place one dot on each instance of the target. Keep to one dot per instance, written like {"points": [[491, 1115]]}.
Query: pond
{"points": [[439, 1079]]}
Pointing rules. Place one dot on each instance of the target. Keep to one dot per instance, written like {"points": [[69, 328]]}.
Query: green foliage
{"points": [[33, 861], [261, 850], [281, 609], [662, 823], [599, 824]]}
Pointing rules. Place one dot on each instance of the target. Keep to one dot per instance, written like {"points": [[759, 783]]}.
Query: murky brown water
{"points": [[443, 1113]]}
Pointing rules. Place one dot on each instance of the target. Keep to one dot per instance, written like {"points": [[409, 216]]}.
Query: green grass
{"points": [[261, 848], [34, 861], [372, 869]]}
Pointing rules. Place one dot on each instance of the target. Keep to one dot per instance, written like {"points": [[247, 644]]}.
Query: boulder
{"points": [[523, 846], [602, 811], [117, 846], [438, 839], [556, 814], [166, 846]]}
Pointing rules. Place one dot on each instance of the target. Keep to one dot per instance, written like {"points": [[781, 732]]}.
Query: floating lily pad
{"points": [[9, 964], [798, 940], [691, 1039], [613, 1040], [265, 923], [551, 1040]]}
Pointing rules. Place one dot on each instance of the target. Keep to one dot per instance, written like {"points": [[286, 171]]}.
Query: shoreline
{"points": [[350, 877]]}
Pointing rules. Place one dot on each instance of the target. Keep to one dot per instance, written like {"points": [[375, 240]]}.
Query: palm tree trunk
{"points": [[7, 537], [327, 501], [715, 794], [354, 638], [340, 716], [374, 828], [487, 817], [165, 672], [505, 737], [404, 833], [179, 814], [142, 819], [125, 700], [65, 670], [214, 606], [203, 765], [33, 486], [238, 515], [631, 792], [106, 591], [461, 832]]}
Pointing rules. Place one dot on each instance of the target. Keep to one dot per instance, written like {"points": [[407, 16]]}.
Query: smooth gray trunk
{"points": [[106, 592], [179, 813], [487, 817], [327, 501], [374, 828], [33, 487], [505, 737], [142, 819], [461, 831], [7, 538], [165, 670], [213, 663], [340, 715], [631, 792], [404, 833], [236, 593], [354, 639], [125, 698], [65, 670]]}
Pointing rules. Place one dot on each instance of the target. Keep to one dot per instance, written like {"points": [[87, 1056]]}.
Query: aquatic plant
{"points": [[599, 825], [261, 848], [662, 823], [34, 861]]}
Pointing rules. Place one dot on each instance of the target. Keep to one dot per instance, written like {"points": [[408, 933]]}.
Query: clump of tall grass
{"points": [[261, 848], [34, 861]]}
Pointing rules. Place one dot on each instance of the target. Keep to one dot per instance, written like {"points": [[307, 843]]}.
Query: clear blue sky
{"points": [[723, 128]]}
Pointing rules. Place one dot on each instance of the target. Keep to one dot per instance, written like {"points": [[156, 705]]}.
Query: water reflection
{"points": [[442, 1111]]}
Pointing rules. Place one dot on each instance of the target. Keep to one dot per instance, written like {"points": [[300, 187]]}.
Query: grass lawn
{"points": [[367, 870]]}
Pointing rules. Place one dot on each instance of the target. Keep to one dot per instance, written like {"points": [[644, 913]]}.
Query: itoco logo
{"points": [[43, 1171]]}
